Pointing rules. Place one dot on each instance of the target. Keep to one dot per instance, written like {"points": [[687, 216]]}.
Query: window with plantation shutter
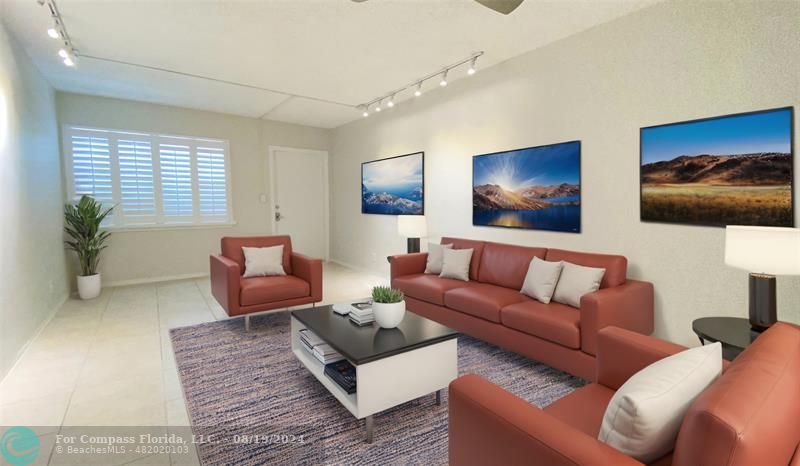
{"points": [[154, 180]]}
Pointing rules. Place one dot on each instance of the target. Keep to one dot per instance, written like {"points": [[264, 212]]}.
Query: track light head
{"points": [[63, 53], [378, 106], [443, 82], [53, 33], [390, 103], [471, 69], [69, 62], [418, 92], [365, 114]]}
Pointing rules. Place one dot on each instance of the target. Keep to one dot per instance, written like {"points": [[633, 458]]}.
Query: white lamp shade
{"points": [[412, 226], [769, 250]]}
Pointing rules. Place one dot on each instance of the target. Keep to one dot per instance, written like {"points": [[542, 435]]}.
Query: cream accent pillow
{"points": [[540, 282], [644, 416], [576, 281], [435, 256], [455, 263], [261, 262]]}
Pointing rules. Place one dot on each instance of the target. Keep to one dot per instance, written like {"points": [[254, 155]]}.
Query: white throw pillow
{"points": [[455, 263], [540, 282], [260, 262], [435, 256], [576, 281], [644, 416]]}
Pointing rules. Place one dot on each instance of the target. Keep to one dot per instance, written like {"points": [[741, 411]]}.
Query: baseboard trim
{"points": [[36, 334], [163, 278]]}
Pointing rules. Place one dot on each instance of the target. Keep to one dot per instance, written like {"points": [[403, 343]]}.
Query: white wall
{"points": [[33, 276], [153, 254], [671, 62]]}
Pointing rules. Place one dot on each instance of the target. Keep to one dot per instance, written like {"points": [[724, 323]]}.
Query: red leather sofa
{"points": [[749, 416], [302, 283], [491, 308]]}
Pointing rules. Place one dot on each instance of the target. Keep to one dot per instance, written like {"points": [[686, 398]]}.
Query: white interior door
{"points": [[300, 198]]}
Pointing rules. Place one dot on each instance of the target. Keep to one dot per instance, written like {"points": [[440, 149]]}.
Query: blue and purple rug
{"points": [[254, 403]]}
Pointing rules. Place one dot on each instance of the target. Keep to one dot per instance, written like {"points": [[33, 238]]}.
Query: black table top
{"points": [[369, 343], [730, 331]]}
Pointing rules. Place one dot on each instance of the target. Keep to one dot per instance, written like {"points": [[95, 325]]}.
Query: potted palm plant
{"points": [[388, 306], [82, 225]]}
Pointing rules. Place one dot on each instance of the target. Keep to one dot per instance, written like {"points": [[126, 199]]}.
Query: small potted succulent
{"points": [[388, 306], [82, 225]]}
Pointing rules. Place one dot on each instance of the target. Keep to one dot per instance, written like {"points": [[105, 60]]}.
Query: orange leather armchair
{"points": [[749, 416], [302, 283]]}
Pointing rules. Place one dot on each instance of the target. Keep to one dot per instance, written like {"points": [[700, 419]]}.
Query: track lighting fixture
{"points": [[68, 61], [59, 31], [53, 33], [63, 53], [417, 85], [471, 69]]}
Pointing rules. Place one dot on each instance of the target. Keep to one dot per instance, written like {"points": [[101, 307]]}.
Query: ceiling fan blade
{"points": [[501, 6]]}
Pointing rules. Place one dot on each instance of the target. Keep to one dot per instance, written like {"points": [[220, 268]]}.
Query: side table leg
{"points": [[369, 422], [438, 397], [702, 342]]}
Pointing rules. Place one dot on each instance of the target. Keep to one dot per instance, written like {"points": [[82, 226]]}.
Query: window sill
{"points": [[193, 226]]}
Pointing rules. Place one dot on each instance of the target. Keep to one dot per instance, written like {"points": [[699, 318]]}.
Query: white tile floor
{"points": [[109, 361]]}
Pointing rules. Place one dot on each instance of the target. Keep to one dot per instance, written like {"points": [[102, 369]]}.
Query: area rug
{"points": [[253, 403]]}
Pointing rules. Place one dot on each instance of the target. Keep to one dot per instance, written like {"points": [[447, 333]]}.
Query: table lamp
{"points": [[412, 227], [764, 252]]}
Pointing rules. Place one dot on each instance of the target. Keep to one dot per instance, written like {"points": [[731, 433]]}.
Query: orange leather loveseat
{"points": [[302, 283], [750, 416], [491, 308]]}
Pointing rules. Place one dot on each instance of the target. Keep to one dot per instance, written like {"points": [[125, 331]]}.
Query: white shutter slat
{"points": [[176, 181], [212, 182], [137, 190]]}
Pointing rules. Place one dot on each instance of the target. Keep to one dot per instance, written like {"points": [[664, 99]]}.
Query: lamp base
{"points": [[413, 245], [763, 301]]}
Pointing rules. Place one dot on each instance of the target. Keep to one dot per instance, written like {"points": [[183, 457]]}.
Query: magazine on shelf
{"points": [[343, 373]]}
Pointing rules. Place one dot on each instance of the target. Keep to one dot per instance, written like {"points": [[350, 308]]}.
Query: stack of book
{"points": [[318, 348], [362, 315], [344, 374]]}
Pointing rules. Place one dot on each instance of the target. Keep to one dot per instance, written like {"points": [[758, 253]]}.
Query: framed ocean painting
{"points": [[728, 170], [394, 186], [537, 188]]}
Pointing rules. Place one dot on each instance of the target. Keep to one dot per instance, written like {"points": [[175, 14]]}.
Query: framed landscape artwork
{"points": [[537, 188], [729, 170], [394, 186]]}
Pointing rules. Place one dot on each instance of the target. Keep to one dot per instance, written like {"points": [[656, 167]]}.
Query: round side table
{"points": [[734, 333]]}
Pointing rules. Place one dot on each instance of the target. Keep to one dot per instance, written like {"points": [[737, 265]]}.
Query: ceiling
{"points": [[300, 61]]}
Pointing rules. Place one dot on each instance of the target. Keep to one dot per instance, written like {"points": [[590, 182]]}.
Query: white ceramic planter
{"points": [[89, 286], [389, 315]]}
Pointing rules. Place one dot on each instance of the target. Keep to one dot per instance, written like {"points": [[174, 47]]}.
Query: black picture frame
{"points": [[643, 218], [422, 200], [579, 227]]}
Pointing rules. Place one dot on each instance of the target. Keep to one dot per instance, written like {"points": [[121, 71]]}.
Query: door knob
{"points": [[278, 216]]}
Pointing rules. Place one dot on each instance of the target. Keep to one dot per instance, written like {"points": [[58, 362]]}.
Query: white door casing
{"points": [[299, 198]]}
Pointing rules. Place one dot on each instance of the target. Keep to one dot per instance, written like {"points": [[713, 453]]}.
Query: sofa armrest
{"points": [[622, 353], [310, 270], [225, 276], [407, 264], [489, 425], [628, 306]]}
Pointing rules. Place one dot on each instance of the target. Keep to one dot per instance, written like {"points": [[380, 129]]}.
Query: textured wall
{"points": [[670, 62]]}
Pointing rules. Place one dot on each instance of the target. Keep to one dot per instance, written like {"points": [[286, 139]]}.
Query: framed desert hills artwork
{"points": [[394, 186], [536, 188], [728, 170]]}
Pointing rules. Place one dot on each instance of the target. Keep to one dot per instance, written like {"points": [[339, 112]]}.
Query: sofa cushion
{"points": [[482, 300], [429, 288], [554, 322], [477, 248], [231, 247], [616, 266], [260, 290], [583, 409], [506, 264], [455, 264]]}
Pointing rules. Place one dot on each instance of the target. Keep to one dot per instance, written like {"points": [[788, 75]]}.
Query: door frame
{"points": [[269, 178]]}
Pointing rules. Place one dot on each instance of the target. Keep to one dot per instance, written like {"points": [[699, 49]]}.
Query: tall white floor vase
{"points": [[89, 286]]}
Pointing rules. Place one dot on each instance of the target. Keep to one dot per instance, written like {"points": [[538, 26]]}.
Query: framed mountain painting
{"points": [[728, 170], [536, 188], [394, 186]]}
